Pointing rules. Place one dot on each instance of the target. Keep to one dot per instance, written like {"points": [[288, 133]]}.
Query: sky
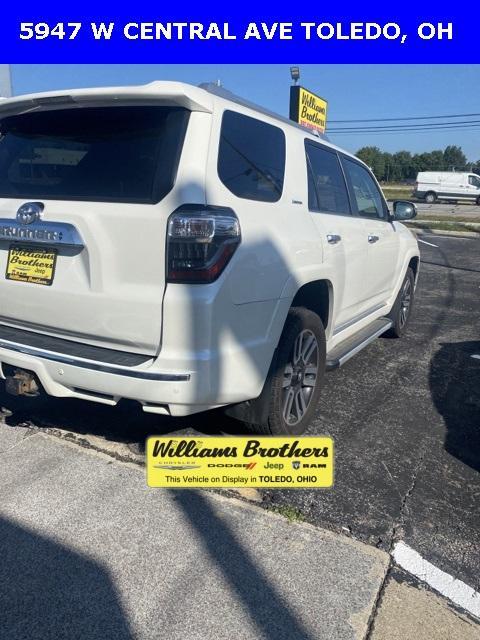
{"points": [[352, 91]]}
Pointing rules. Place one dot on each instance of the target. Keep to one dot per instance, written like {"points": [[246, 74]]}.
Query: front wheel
{"points": [[295, 377], [402, 309]]}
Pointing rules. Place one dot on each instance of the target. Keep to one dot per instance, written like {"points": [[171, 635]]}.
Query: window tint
{"points": [[251, 158], [474, 181], [119, 154], [367, 196], [327, 191]]}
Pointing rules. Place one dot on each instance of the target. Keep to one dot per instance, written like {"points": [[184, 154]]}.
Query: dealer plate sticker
{"points": [[31, 264], [232, 462]]}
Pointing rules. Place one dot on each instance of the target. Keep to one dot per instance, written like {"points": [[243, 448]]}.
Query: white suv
{"points": [[181, 247]]}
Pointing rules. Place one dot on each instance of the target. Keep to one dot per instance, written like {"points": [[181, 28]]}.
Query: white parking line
{"points": [[429, 243], [475, 356], [439, 237], [456, 590]]}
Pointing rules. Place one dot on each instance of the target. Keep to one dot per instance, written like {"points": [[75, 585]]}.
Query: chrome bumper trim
{"points": [[96, 366]]}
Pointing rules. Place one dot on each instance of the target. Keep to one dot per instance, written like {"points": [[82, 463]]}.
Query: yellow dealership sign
{"points": [[233, 462], [308, 109]]}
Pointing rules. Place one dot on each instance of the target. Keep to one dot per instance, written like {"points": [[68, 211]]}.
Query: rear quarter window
{"points": [[251, 157]]}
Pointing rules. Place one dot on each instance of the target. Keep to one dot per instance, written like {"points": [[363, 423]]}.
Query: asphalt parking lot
{"points": [[405, 416], [406, 421]]}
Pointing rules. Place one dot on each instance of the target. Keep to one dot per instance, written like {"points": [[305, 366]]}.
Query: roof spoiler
{"points": [[175, 94]]}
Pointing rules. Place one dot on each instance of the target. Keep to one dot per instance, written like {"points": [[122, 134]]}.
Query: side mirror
{"points": [[404, 210]]}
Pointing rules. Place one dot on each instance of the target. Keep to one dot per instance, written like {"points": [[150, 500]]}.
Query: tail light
{"points": [[200, 243]]}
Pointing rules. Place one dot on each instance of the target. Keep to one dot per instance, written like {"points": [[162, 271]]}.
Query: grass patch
{"points": [[397, 194], [434, 218], [400, 186], [291, 513], [444, 225]]}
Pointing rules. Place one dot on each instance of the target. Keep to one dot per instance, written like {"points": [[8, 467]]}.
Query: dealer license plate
{"points": [[31, 264]]}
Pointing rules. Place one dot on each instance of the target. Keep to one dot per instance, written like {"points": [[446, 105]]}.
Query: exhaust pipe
{"points": [[22, 383]]}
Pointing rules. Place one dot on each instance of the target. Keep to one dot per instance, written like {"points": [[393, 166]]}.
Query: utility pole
{"points": [[5, 81]]}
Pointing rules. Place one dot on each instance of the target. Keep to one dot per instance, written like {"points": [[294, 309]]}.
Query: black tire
{"points": [[430, 197], [402, 309], [478, 201], [301, 324]]}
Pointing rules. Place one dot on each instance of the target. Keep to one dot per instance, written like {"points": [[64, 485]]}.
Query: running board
{"points": [[349, 347]]}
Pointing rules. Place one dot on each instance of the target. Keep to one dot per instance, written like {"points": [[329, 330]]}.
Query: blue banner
{"points": [[145, 32]]}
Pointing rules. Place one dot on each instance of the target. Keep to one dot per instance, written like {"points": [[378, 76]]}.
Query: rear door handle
{"points": [[333, 238], [373, 239]]}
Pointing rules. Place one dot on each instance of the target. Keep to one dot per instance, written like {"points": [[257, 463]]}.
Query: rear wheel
{"points": [[478, 201], [402, 309], [295, 377], [430, 197]]}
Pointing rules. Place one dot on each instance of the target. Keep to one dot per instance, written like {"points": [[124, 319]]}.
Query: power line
{"points": [[373, 133], [456, 115], [405, 127], [462, 128]]}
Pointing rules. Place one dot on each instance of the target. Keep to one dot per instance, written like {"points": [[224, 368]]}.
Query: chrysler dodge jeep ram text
{"points": [[181, 247]]}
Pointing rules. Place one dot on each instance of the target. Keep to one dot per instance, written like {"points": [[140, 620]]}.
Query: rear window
{"points": [[251, 158], [113, 154]]}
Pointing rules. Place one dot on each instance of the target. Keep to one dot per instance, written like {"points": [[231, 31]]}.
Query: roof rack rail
{"points": [[219, 91]]}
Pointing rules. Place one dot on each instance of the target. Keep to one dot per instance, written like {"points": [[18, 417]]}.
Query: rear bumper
{"points": [[105, 367], [213, 353], [163, 392], [162, 385]]}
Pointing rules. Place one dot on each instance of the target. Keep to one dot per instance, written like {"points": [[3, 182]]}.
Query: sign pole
{"points": [[5, 81]]}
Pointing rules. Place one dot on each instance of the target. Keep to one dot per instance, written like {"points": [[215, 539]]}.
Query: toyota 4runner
{"points": [[180, 247]]}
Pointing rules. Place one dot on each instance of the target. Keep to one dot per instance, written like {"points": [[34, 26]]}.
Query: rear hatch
{"points": [[84, 203]]}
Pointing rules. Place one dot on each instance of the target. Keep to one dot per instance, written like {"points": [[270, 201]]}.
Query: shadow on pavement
{"points": [[124, 423], [267, 608], [455, 387], [49, 592]]}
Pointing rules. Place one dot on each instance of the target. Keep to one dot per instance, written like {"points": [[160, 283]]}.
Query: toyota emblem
{"points": [[29, 212]]}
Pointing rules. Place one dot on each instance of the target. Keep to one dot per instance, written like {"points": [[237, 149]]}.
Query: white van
{"points": [[183, 248], [432, 186]]}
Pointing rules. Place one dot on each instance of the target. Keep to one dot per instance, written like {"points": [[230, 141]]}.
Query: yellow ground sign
{"points": [[210, 462], [308, 109]]}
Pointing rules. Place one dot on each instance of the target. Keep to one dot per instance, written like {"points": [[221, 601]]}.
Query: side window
{"points": [[474, 181], [327, 191], [368, 198], [251, 157]]}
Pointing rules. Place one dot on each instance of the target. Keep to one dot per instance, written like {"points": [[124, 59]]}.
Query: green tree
{"points": [[429, 161], [402, 166], [403, 163], [454, 158], [374, 158], [389, 170]]}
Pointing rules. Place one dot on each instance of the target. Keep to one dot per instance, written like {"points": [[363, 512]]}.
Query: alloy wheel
{"points": [[406, 302], [300, 377]]}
